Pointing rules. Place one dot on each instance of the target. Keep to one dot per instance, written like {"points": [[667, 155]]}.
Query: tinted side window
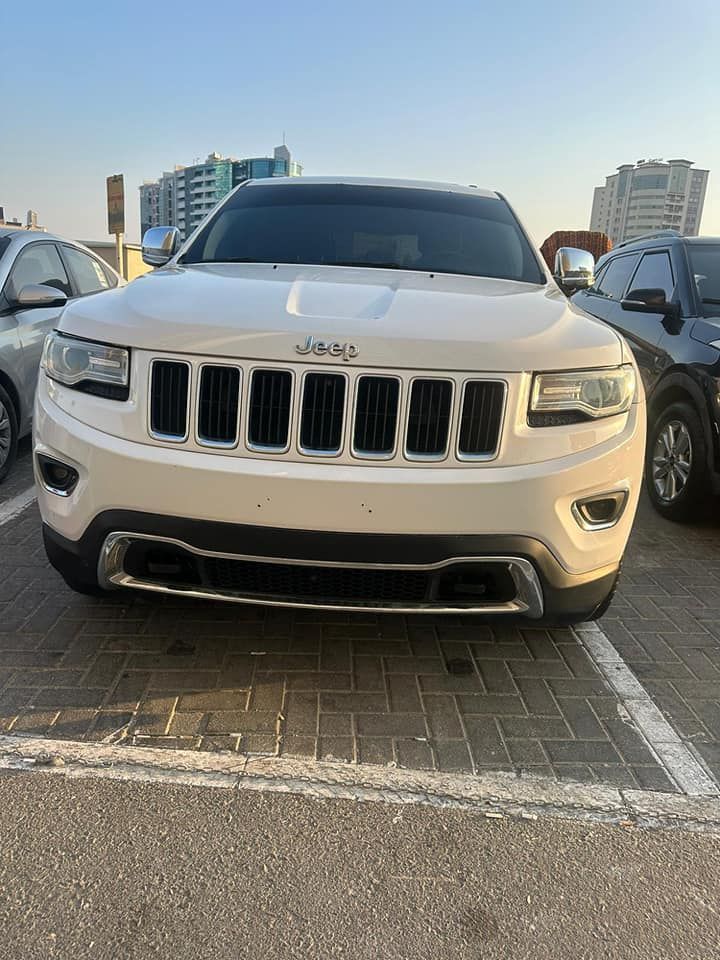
{"points": [[705, 269], [88, 274], [655, 273], [615, 277], [39, 263], [599, 274], [110, 276]]}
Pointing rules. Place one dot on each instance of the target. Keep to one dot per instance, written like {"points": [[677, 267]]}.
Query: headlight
{"points": [[92, 367], [572, 396]]}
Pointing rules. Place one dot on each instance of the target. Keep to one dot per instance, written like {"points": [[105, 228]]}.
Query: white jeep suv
{"points": [[347, 394]]}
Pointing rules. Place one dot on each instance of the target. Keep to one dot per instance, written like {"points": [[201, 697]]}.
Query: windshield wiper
{"points": [[224, 260], [714, 300], [378, 264]]}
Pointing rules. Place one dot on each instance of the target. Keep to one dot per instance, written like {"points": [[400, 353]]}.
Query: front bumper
{"points": [[248, 509], [510, 574], [529, 499]]}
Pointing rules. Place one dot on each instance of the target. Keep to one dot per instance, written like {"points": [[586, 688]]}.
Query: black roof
{"points": [[655, 235]]}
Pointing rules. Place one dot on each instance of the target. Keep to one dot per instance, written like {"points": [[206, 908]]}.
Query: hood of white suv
{"points": [[394, 318]]}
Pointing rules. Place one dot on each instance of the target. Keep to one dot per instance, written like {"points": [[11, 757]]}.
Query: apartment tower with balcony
{"points": [[184, 196], [648, 196]]}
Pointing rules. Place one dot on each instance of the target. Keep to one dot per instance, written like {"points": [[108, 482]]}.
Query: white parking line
{"points": [[678, 760], [15, 506]]}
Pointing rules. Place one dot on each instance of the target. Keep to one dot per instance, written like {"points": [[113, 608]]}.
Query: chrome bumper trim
{"points": [[620, 499], [111, 573]]}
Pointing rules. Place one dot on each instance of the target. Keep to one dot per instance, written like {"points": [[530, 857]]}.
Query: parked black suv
{"points": [[662, 292]]}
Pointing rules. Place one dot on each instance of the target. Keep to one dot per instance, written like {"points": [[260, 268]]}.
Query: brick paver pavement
{"points": [[446, 693], [21, 476]]}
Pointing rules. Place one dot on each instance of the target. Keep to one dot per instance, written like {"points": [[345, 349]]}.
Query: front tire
{"points": [[8, 434], [676, 476]]}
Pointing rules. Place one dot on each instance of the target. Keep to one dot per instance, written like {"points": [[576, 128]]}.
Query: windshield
{"points": [[705, 266], [368, 226], [4, 244]]}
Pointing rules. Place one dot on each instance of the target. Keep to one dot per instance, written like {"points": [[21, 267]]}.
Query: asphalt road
{"points": [[106, 869]]}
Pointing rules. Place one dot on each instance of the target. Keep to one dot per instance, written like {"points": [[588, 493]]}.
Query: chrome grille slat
{"points": [[269, 413], [383, 416], [169, 395], [481, 418], [428, 427], [322, 410], [376, 413], [218, 405]]}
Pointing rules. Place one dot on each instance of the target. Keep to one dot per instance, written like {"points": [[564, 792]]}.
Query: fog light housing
{"points": [[601, 511], [57, 477]]}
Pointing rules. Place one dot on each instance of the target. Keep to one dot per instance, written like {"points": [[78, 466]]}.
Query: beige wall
{"points": [[133, 265]]}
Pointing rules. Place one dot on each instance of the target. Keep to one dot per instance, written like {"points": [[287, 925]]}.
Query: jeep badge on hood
{"points": [[348, 351]]}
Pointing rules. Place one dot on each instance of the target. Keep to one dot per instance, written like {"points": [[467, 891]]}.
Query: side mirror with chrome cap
{"points": [[39, 295], [574, 269], [160, 244]]}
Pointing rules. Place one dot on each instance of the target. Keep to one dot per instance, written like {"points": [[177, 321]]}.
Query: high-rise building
{"points": [[149, 204], [182, 197], [650, 195]]}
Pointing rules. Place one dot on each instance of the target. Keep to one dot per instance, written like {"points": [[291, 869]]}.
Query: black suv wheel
{"points": [[676, 463], [8, 434]]}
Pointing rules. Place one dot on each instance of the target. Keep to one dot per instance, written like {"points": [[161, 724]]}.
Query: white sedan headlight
{"points": [[576, 395], [92, 367]]}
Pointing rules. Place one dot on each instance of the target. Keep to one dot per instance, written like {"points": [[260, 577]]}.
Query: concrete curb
{"points": [[491, 795]]}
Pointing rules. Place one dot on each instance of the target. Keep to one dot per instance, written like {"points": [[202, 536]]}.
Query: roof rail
{"points": [[649, 236]]}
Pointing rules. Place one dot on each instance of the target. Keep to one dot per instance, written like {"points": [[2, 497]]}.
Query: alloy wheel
{"points": [[5, 434], [672, 460]]}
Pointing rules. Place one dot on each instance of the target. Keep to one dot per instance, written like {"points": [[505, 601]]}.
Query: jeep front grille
{"points": [[304, 412]]}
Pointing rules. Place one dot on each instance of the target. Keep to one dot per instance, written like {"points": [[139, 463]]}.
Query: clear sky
{"points": [[539, 100]]}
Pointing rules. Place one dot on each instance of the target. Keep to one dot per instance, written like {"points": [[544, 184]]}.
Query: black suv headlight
{"points": [[91, 367], [575, 395]]}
